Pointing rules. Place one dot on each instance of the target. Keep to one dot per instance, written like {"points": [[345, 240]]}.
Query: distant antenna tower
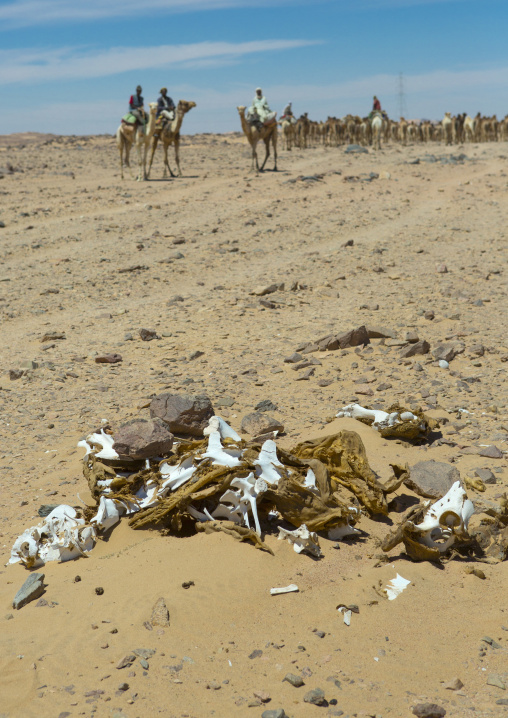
{"points": [[402, 96]]}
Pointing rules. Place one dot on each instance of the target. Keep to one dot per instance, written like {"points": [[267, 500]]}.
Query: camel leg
{"points": [[177, 157], [274, 142], [166, 162], [267, 154], [155, 141], [120, 149]]}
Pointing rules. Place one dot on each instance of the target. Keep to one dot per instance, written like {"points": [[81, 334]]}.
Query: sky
{"points": [[70, 66]]}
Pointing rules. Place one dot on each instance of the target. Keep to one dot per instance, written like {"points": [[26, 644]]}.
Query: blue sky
{"points": [[69, 66]]}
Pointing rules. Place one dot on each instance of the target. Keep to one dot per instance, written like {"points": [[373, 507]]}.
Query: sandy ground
{"points": [[211, 238]]}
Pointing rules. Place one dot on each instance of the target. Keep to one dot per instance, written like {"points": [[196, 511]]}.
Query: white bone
{"points": [[86, 446], [395, 587], [217, 423], [243, 499], [446, 519], [380, 419], [60, 537], [147, 497], [339, 532], [104, 440], [107, 514], [347, 613], [176, 476], [310, 481], [285, 589], [267, 463], [302, 540], [221, 456]]}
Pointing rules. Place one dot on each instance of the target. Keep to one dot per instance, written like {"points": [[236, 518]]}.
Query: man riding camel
{"points": [[376, 107], [165, 106], [259, 112], [136, 106], [287, 114]]}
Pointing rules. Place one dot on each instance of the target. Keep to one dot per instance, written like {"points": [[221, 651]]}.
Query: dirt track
{"points": [[96, 259]]}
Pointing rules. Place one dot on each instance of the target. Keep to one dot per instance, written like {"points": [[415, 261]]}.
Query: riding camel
{"points": [[128, 135], [268, 133], [377, 124], [170, 135], [447, 125], [288, 133]]}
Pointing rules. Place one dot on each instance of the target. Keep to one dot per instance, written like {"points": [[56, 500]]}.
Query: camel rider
{"points": [[287, 113], [136, 106], [260, 108], [376, 107], [165, 106]]}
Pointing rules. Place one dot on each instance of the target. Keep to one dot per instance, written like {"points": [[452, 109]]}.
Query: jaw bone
{"points": [[267, 463], [102, 439], [302, 540], [217, 423], [219, 455]]}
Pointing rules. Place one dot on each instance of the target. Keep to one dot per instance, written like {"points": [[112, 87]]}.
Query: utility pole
{"points": [[402, 96]]}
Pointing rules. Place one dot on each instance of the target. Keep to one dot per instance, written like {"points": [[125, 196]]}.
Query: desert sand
{"points": [[96, 259]]}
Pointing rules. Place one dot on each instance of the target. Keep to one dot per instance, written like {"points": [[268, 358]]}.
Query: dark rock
{"points": [[266, 405], [142, 438], [52, 336], [328, 343], [99, 591], [412, 337], [354, 338], [477, 349], [32, 588], [429, 314], [196, 355], [485, 475], [123, 687], [256, 653], [356, 149], [432, 479], [316, 697], [445, 351], [295, 680], [15, 374], [126, 661], [257, 423], [381, 333], [441, 268], [147, 335], [46, 509], [293, 359], [183, 413], [277, 713], [421, 347], [145, 653], [428, 710], [491, 452], [108, 359]]}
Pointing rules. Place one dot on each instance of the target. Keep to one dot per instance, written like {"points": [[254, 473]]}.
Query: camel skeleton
{"points": [[170, 135], [268, 133], [129, 135]]}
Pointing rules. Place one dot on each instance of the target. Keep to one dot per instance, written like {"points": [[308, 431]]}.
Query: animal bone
{"points": [[60, 537], [267, 463], [395, 587], [249, 490], [286, 589], [104, 440], [446, 520], [310, 482], [221, 456], [217, 423], [302, 540], [175, 476], [380, 419], [107, 515]]}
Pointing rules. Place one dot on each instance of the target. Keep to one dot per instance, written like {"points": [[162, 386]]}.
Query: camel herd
{"points": [[304, 133]]}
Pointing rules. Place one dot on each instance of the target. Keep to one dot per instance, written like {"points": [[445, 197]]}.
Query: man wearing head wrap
{"points": [[136, 105], [260, 108], [165, 106]]}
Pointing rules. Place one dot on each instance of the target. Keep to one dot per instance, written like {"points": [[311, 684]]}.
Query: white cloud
{"points": [[70, 63]]}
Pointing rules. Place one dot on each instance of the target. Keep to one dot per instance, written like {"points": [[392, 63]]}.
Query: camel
{"points": [[302, 131], [377, 124], [469, 129], [128, 135], [170, 135], [447, 125], [268, 133], [288, 133]]}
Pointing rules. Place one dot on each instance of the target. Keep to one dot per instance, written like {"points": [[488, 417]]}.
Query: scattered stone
{"points": [[184, 414], [477, 350], [296, 681], [412, 337], [262, 291], [266, 405], [432, 479], [441, 268], [52, 336], [486, 475], [491, 452], [256, 653], [142, 438], [495, 680], [429, 314], [445, 351], [354, 338], [363, 390], [383, 386], [259, 423], [213, 685], [316, 697], [277, 713], [293, 359], [356, 149], [160, 614], [126, 661], [108, 359], [145, 653], [147, 335], [420, 347], [454, 685], [99, 591], [428, 710], [16, 374], [381, 333], [32, 588], [262, 696], [196, 355], [46, 509], [123, 687]]}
